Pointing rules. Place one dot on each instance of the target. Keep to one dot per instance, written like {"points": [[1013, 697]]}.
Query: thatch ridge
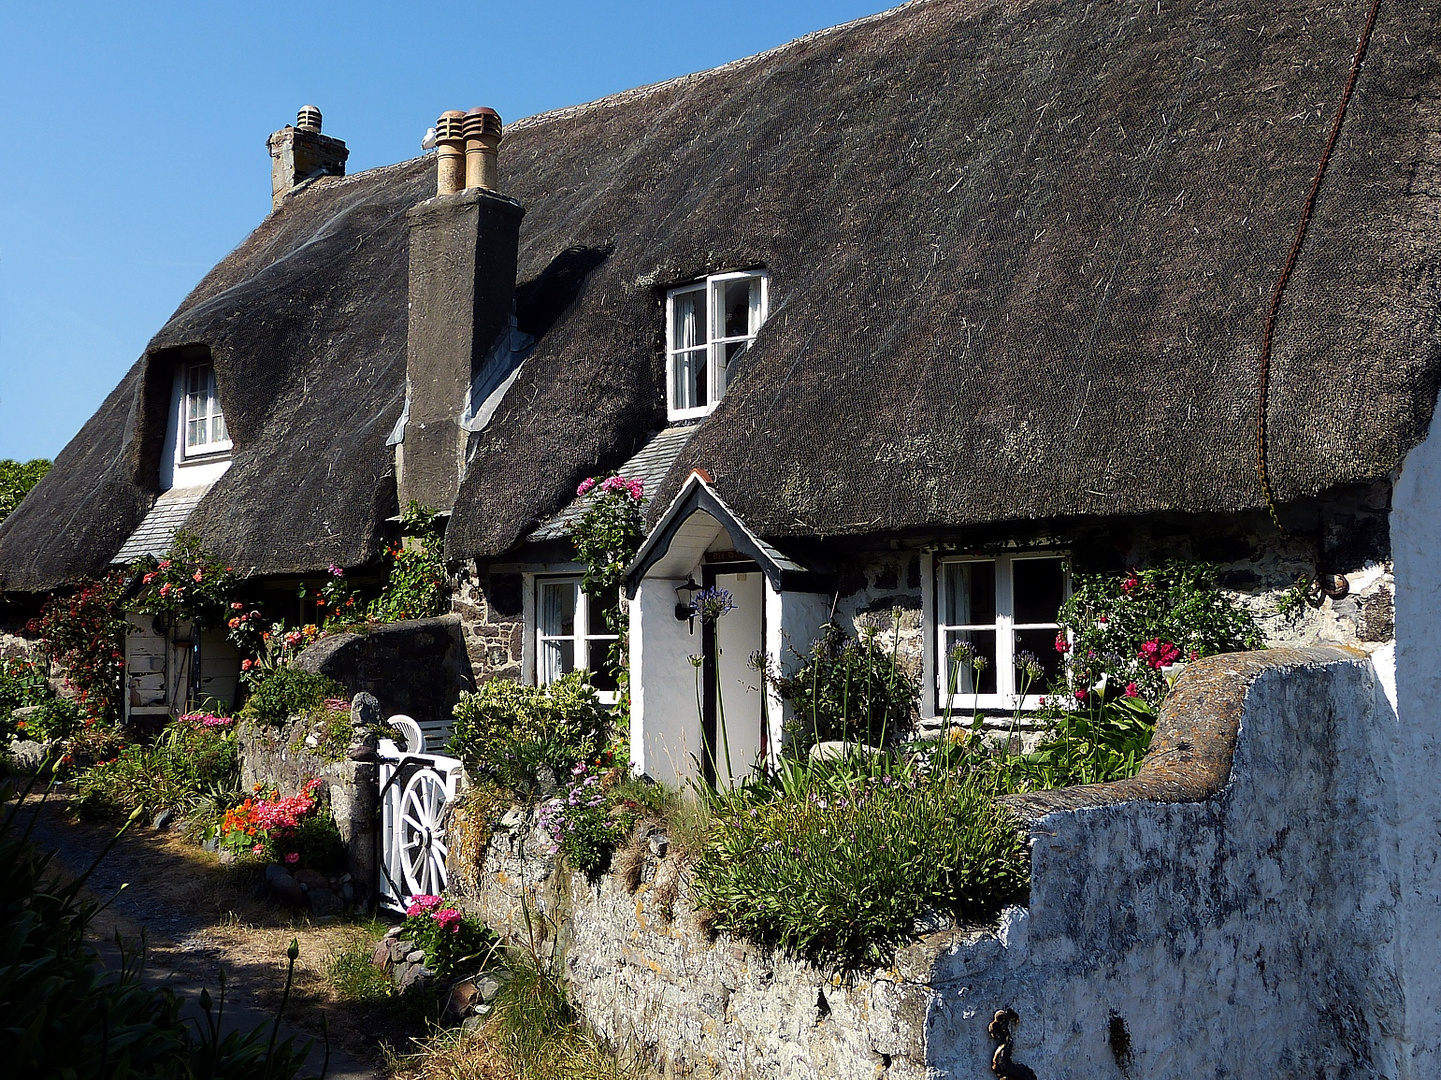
{"points": [[1020, 254]]}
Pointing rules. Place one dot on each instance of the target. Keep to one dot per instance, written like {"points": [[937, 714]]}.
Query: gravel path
{"points": [[154, 886]]}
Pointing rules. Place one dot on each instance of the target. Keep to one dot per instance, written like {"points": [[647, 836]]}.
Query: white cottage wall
{"points": [[1416, 748], [665, 727]]}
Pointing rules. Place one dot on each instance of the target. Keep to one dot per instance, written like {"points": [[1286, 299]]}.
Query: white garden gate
{"points": [[417, 791]]}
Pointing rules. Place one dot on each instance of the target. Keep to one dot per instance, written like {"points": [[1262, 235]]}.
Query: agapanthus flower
{"points": [[710, 604]]}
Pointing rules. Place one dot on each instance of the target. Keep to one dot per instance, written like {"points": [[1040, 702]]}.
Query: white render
{"points": [[1415, 803]]}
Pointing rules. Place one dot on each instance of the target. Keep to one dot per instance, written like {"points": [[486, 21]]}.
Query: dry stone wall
{"points": [[278, 756]]}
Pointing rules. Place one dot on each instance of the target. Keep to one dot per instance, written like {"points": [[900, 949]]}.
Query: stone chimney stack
{"points": [[302, 153], [463, 251]]}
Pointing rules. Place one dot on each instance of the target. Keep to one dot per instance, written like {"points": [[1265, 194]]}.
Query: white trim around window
{"points": [[202, 425], [1000, 606], [570, 634], [707, 325]]}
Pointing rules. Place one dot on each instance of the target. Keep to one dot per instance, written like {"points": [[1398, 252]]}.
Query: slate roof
{"points": [[1020, 255], [166, 518], [650, 465]]}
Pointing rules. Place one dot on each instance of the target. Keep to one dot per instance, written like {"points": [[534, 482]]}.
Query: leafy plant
{"points": [[288, 691], [16, 480], [193, 759], [296, 830], [1126, 628], [1100, 742], [83, 634], [452, 940], [188, 585], [839, 859], [504, 730], [54, 718], [587, 821], [609, 533], [846, 688], [416, 586]]}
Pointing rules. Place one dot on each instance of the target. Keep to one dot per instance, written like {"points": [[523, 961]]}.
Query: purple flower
{"points": [[335, 571], [710, 604]]}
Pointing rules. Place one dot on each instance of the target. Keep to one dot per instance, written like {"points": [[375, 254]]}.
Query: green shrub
{"points": [[453, 941], [838, 859], [416, 585], [22, 683], [505, 731], [55, 718], [1129, 626], [1092, 745], [16, 480], [287, 692], [847, 688], [187, 764]]}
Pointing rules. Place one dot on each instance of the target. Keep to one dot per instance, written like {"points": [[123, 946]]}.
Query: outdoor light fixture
{"points": [[683, 610]]}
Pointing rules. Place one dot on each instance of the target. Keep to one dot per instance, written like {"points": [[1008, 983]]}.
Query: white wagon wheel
{"points": [[423, 847]]}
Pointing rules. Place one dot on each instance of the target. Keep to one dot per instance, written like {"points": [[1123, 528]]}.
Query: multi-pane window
{"points": [[708, 325], [571, 634], [1001, 611], [205, 431]]}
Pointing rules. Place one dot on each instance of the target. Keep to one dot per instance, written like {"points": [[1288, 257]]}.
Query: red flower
{"points": [[1132, 690]]}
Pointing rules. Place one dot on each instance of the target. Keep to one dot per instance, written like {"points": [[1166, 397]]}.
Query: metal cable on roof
{"points": [[1263, 470]]}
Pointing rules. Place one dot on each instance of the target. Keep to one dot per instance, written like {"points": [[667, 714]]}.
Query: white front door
{"points": [[735, 728]]}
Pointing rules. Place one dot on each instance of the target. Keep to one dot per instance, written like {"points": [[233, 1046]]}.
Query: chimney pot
{"points": [[302, 153], [450, 152], [482, 149]]}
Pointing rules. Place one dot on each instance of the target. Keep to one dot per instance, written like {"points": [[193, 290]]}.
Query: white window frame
{"points": [[209, 398], [715, 342], [583, 642], [1005, 628]]}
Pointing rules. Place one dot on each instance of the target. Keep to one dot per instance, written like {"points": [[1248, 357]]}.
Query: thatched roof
{"points": [[1020, 258]]}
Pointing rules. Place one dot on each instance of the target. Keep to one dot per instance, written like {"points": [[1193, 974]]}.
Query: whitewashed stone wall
{"points": [[1217, 916]]}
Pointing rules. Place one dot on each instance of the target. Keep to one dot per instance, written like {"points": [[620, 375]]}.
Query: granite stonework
{"points": [[1231, 911], [276, 756], [882, 591], [490, 605], [418, 667]]}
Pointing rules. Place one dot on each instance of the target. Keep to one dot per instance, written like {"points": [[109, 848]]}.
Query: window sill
{"points": [[690, 414]]}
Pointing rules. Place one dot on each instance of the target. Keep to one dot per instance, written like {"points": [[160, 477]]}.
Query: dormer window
{"points": [[708, 325], [204, 425]]}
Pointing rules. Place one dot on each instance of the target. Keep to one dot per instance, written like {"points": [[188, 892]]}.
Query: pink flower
{"points": [[246, 665], [421, 903], [335, 571], [258, 849], [165, 589], [585, 486], [1131, 690], [293, 857], [1130, 584], [1062, 645], [237, 606], [1191, 655], [199, 575], [448, 918], [1080, 695]]}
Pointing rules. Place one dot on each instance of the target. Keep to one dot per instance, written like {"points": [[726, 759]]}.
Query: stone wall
{"points": [[1231, 911], [492, 619], [278, 757], [418, 667]]}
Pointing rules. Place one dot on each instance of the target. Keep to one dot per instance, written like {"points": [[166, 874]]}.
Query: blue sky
{"points": [[132, 139]]}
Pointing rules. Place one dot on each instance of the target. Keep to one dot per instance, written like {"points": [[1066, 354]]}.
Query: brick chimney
{"points": [[302, 153], [463, 250]]}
